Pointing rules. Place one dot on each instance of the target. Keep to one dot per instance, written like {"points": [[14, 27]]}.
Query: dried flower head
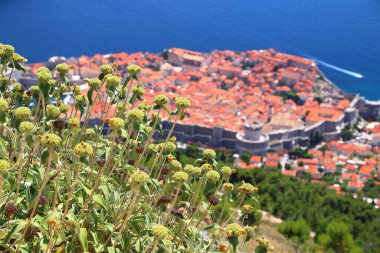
{"points": [[161, 100], [247, 188], [206, 167], [264, 243], [63, 108], [138, 90], [191, 170], [44, 76], [94, 83], [212, 176], [228, 187], [8, 50], [209, 154], [51, 140], [26, 127], [213, 200], [3, 105], [139, 177], [233, 230], [10, 210], [175, 165], [4, 166], [116, 123], [52, 111], [169, 147], [182, 103], [247, 209], [113, 81], [249, 231], [134, 70], [223, 247], [135, 115], [180, 177], [73, 122], [62, 68], [22, 113], [226, 171], [83, 149], [107, 69], [159, 231], [164, 199]]}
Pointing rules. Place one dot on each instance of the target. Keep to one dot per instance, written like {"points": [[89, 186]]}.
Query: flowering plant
{"points": [[68, 186]]}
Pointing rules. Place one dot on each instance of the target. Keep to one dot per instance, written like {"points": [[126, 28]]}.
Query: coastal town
{"points": [[278, 108]]}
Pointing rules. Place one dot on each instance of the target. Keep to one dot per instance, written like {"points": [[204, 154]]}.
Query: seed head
{"points": [[135, 115], [139, 178], [264, 243], [3, 105], [247, 209], [80, 100], [112, 81], [223, 247], [51, 140], [213, 200], [52, 111], [94, 83], [138, 90], [116, 123], [233, 230], [10, 210], [44, 76], [83, 149], [163, 200], [182, 102], [228, 187], [107, 69], [159, 232], [209, 154], [22, 113], [134, 70], [26, 127], [212, 176], [226, 171], [62, 68], [161, 100], [247, 188], [4, 166], [73, 122], [206, 167], [175, 165], [180, 177]]}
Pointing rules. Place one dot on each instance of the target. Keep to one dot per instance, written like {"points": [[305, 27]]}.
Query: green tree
{"points": [[245, 156], [338, 238]]}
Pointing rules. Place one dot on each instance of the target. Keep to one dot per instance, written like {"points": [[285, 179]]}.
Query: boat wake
{"points": [[345, 71]]}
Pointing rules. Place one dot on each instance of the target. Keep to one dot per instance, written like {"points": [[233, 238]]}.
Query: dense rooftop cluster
{"points": [[232, 88]]}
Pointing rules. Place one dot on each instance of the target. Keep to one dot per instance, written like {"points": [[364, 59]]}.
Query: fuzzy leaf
{"points": [[83, 238]]}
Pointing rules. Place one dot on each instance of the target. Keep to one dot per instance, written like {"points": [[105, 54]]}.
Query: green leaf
{"points": [[260, 249], [45, 88], [18, 66], [126, 80], [182, 116], [101, 76], [44, 156], [89, 96], [3, 117], [83, 238], [234, 240], [99, 199]]}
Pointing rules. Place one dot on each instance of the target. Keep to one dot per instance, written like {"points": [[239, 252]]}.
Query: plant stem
{"points": [[43, 185]]}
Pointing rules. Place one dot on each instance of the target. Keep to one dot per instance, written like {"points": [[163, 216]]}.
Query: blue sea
{"points": [[343, 35]]}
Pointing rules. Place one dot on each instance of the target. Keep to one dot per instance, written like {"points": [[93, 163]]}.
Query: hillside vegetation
{"points": [[68, 186]]}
